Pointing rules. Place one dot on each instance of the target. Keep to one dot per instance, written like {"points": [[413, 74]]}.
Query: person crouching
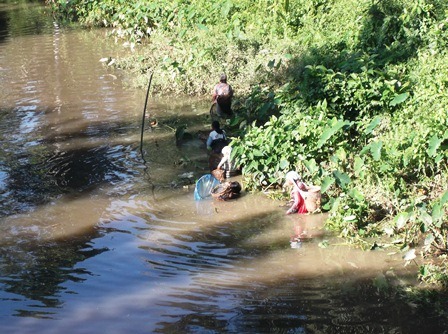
{"points": [[298, 187]]}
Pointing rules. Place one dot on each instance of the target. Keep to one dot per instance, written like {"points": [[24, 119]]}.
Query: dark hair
{"points": [[223, 78], [216, 127], [226, 191], [235, 187]]}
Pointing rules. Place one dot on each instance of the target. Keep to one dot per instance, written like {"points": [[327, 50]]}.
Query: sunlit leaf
{"points": [[437, 213], [329, 205], [342, 179], [225, 9], [341, 154], [399, 99], [329, 132], [257, 153], [326, 183], [373, 125], [284, 164], [444, 198], [356, 194], [364, 150], [311, 165], [202, 27], [385, 167], [434, 144], [323, 244], [324, 137], [401, 220], [375, 149], [425, 217]]}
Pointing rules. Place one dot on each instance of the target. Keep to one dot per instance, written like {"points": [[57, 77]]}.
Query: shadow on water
{"points": [[56, 166], [231, 271], [35, 270], [82, 158], [86, 242]]}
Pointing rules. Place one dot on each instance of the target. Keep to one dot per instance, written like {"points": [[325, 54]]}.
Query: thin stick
{"points": [[144, 112]]}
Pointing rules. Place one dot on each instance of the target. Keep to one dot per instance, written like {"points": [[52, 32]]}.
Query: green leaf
{"points": [[424, 270], [399, 99], [438, 158], [324, 137], [284, 164], [311, 165], [358, 165], [434, 144], [329, 132], [253, 165], [202, 27], [286, 6], [342, 179], [375, 149], [401, 220], [425, 218], [444, 198], [365, 149], [356, 194], [327, 206], [373, 125], [437, 214], [257, 153], [326, 183]]}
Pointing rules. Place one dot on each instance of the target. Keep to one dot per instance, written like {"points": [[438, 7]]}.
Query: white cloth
{"points": [[226, 151], [214, 136]]}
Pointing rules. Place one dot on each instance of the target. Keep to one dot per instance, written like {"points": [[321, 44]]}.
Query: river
{"points": [[93, 238]]}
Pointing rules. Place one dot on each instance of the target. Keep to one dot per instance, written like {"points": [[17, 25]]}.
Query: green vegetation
{"points": [[352, 94]]}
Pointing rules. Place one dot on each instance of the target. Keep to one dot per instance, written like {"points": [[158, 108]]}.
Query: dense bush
{"points": [[369, 124]]}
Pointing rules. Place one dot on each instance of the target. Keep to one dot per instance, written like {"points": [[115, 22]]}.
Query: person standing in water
{"points": [[217, 138], [298, 187], [216, 141], [222, 96]]}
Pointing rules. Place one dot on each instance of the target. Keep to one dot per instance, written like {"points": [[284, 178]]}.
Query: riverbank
{"points": [[330, 89]]}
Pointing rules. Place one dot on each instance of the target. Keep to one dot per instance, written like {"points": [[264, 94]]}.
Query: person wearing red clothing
{"points": [[298, 187]]}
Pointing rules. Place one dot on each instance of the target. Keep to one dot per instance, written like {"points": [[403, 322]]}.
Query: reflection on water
{"points": [[91, 237]]}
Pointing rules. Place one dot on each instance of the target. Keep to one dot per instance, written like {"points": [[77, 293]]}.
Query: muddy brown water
{"points": [[93, 239]]}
